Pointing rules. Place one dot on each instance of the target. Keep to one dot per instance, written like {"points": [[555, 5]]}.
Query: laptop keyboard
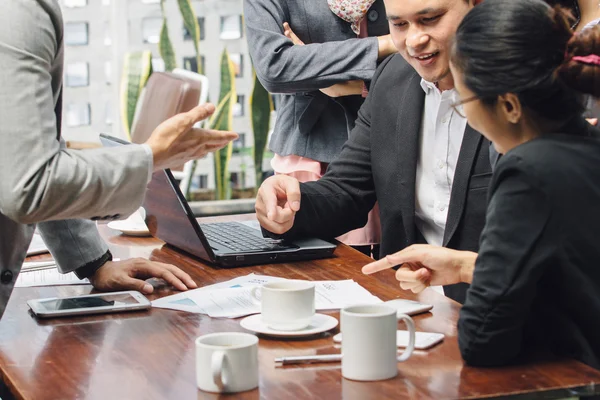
{"points": [[239, 237]]}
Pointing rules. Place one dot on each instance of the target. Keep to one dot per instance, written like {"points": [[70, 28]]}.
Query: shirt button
{"points": [[442, 208], [372, 15], [445, 120], [6, 276], [440, 164]]}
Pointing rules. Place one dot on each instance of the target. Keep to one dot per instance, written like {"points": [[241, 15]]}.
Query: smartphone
{"points": [[423, 340], [89, 304], [408, 307]]}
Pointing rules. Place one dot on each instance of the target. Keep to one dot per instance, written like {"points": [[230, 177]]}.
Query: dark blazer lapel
{"points": [[408, 128], [471, 142]]}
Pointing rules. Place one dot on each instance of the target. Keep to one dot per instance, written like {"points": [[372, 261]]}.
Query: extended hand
{"points": [[176, 141], [425, 265], [131, 275], [277, 202]]}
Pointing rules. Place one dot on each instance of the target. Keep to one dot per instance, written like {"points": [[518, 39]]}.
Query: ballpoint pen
{"points": [[38, 265], [319, 358]]}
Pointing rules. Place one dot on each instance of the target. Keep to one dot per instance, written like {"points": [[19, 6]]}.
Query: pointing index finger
{"points": [[376, 266]]}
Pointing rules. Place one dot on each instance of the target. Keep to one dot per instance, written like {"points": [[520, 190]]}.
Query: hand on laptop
{"points": [[277, 202], [132, 274], [423, 265], [176, 141]]}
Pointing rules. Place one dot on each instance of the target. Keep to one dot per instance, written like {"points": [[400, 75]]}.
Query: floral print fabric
{"points": [[352, 11]]}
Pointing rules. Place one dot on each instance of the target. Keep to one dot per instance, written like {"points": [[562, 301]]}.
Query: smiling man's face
{"points": [[422, 31]]}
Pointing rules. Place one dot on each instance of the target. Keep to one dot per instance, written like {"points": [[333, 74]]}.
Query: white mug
{"points": [[286, 305], [369, 351], [227, 362]]}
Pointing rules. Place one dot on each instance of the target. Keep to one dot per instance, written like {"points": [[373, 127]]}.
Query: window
{"points": [[191, 64], [238, 108], [239, 143], [203, 181], [158, 64], [151, 29], [75, 3], [188, 36], [231, 27], [77, 74], [76, 33], [237, 180], [107, 34], [108, 118], [106, 2], [238, 64], [108, 72], [78, 114]]}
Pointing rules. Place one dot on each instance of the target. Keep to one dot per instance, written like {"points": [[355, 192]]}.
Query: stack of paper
{"points": [[37, 245], [232, 299], [48, 277]]}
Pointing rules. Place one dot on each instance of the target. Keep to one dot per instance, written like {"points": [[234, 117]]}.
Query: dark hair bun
{"points": [[582, 76]]}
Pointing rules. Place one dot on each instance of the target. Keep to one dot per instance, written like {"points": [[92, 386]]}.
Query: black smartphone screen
{"points": [[88, 302]]}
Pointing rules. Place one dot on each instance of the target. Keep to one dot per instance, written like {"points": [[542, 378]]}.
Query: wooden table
{"points": [[150, 355]]}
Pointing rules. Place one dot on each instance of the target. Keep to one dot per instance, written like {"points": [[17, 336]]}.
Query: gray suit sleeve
{"points": [[283, 67], [72, 242], [40, 180]]}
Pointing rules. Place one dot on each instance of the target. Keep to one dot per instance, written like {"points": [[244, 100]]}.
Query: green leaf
{"points": [[165, 47], [221, 120], [224, 121], [190, 21], [261, 105], [137, 68]]}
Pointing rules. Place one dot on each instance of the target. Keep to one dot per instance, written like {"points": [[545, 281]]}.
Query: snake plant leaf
{"points": [[261, 105], [165, 47], [137, 67], [223, 157], [221, 120], [190, 21]]}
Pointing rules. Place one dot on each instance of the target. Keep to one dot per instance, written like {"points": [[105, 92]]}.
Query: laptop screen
{"points": [[168, 216]]}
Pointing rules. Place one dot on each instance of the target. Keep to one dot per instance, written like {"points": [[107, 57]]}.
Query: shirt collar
{"points": [[431, 87], [427, 86]]}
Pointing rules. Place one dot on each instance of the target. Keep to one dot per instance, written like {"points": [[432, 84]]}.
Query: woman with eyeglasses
{"points": [[586, 13], [521, 73]]}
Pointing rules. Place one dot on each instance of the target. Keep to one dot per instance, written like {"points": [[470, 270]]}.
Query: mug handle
{"points": [[254, 295], [217, 367], [410, 325]]}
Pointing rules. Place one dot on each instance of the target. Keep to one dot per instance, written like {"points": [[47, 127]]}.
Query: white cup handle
{"points": [[254, 295], [410, 325], [217, 363]]}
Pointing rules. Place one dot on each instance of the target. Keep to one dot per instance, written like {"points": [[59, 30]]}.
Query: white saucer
{"points": [[134, 225], [319, 323], [128, 228]]}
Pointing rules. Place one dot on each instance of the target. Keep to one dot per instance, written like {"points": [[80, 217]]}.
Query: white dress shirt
{"points": [[442, 131]]}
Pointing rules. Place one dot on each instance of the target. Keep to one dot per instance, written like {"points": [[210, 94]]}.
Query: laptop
{"points": [[226, 244]]}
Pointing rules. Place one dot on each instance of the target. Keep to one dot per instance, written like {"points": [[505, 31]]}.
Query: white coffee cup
{"points": [[227, 362], [286, 305], [369, 351]]}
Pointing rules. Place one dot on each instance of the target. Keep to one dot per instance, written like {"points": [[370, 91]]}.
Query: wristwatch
{"points": [[90, 268]]}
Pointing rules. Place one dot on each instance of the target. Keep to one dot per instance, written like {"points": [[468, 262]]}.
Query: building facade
{"points": [[98, 33]]}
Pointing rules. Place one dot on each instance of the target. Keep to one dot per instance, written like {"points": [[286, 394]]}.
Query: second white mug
{"points": [[286, 305], [369, 351]]}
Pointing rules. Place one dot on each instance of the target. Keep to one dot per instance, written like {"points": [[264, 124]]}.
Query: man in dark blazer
{"points": [[386, 157]]}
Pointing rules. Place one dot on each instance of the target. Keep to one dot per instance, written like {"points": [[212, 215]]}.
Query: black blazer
{"points": [[379, 161], [537, 278]]}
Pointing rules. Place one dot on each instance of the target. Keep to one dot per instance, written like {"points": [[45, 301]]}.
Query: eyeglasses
{"points": [[456, 105]]}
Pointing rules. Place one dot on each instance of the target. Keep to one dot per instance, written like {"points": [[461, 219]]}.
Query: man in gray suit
{"points": [[410, 150], [42, 182]]}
